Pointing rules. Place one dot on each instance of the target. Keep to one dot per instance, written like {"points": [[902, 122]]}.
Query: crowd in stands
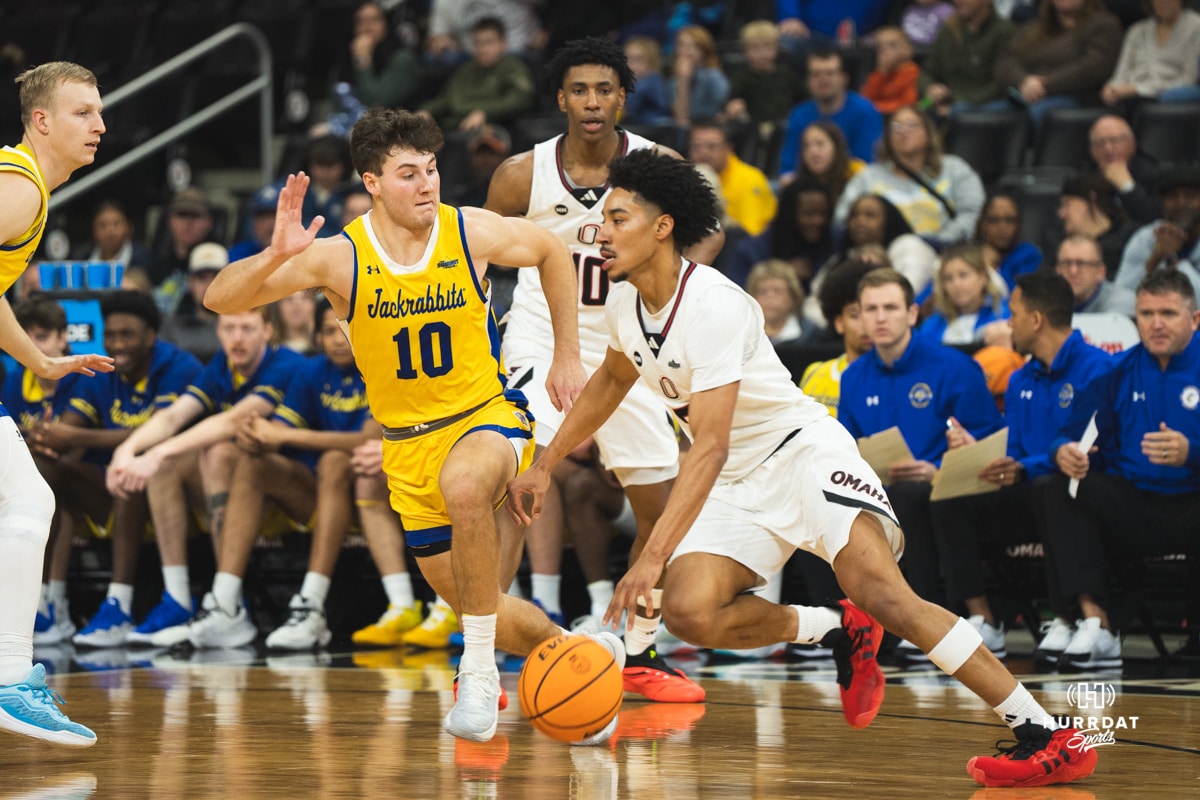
{"points": [[829, 132]]}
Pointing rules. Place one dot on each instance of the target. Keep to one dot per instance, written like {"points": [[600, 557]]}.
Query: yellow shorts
{"points": [[414, 465]]}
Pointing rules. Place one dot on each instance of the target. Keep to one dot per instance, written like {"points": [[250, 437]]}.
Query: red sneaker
{"points": [[1039, 758], [648, 675], [503, 704], [860, 679]]}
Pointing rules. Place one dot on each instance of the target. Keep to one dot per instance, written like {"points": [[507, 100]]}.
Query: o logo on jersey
{"points": [[668, 388], [561, 210], [588, 233], [1190, 397], [1065, 395], [920, 395]]}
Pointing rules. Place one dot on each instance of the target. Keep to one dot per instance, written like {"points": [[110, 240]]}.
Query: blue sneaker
{"points": [[455, 641], [556, 617], [53, 627], [108, 628], [167, 614], [30, 708]]}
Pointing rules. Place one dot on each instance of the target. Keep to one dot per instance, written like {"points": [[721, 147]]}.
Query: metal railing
{"points": [[260, 85]]}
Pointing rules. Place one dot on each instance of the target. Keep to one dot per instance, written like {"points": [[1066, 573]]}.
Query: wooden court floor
{"points": [[367, 725]]}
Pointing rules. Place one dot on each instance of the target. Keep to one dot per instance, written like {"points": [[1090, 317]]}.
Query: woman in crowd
{"points": [[825, 158], [697, 87], [773, 284], [1160, 58], [800, 235], [999, 234], [940, 195], [969, 307]]}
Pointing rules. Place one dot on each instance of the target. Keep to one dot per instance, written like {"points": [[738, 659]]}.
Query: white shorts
{"points": [[638, 435], [805, 496]]}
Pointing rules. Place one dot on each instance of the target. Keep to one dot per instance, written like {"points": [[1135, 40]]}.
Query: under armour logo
{"points": [[1139, 396], [372, 269], [873, 400], [1027, 394]]}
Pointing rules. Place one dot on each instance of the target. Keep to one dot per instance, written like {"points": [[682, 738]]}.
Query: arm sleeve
{"points": [[183, 370], [207, 388], [298, 408], [82, 398], [1097, 398], [277, 378], [973, 405], [967, 195], [393, 86]]}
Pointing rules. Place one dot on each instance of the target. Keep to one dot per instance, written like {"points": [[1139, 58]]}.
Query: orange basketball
{"points": [[570, 688]]}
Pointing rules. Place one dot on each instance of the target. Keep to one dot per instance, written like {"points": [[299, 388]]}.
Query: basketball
{"points": [[570, 688]]}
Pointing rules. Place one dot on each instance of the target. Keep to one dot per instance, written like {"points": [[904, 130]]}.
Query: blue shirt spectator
{"points": [[857, 118], [219, 389]]}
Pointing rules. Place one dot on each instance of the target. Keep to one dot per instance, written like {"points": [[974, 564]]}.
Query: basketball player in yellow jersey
{"points": [[60, 109], [408, 280]]}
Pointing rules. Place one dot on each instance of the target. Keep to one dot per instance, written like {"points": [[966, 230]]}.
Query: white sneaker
{"points": [[613, 644], [53, 625], [1093, 646], [215, 627], [910, 652], [599, 738], [1056, 635], [305, 628], [169, 637], [476, 712], [993, 635]]}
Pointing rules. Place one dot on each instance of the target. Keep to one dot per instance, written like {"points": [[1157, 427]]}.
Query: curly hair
{"points": [[136, 304], [382, 130], [840, 287], [592, 50], [673, 186]]}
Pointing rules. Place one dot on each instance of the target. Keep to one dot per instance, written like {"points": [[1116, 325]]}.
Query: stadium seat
{"points": [[1063, 138], [990, 141], [1170, 132]]}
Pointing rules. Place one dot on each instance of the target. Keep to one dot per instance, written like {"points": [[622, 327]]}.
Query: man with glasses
{"points": [[1113, 153], [1080, 262]]}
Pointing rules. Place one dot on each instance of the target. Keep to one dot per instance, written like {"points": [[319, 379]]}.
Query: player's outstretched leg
{"points": [[1045, 753]]}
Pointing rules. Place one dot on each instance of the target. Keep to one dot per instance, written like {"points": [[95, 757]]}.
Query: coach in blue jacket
{"points": [[1038, 401], [1139, 494], [919, 386]]}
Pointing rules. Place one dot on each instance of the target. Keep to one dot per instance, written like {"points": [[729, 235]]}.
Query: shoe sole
{"points": [[472, 736], [1093, 664], [10, 724], [225, 644], [99, 644], [322, 641]]}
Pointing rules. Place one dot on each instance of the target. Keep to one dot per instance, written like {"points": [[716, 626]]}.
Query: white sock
{"points": [[645, 629], [398, 587], [44, 601], [56, 592], [545, 591], [177, 584], [813, 622], [514, 588], [123, 592], [315, 588], [479, 643], [227, 589], [601, 593], [1020, 707]]}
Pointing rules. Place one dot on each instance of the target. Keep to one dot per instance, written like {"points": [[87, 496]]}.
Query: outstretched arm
{"points": [[710, 417], [291, 263], [516, 241], [608, 386], [15, 342]]}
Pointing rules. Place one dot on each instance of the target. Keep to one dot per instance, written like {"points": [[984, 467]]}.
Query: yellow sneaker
{"points": [[434, 632], [390, 629]]}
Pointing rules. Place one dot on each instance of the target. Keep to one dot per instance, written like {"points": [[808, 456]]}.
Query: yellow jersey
{"points": [[822, 381], [423, 336], [16, 253]]}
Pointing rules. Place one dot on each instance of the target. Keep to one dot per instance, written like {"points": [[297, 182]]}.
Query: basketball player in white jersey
{"points": [[769, 472], [561, 185], [60, 109]]}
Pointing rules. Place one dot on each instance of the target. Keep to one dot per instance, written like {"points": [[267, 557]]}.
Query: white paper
{"points": [[1089, 438], [959, 474]]}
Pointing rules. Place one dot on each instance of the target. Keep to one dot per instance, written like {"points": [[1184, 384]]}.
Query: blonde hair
{"points": [[39, 84], [778, 269], [760, 30], [972, 255], [650, 51], [704, 40]]}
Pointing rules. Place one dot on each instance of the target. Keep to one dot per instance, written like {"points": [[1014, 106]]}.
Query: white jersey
{"points": [[574, 217], [710, 334]]}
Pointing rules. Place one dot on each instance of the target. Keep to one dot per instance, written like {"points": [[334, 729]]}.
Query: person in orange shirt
{"points": [[893, 84]]}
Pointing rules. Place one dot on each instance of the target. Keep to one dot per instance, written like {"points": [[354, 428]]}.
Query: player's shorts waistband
{"points": [[400, 434]]}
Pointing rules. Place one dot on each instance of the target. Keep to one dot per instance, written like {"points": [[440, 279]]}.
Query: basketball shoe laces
{"points": [[46, 697], [1023, 749], [844, 650]]}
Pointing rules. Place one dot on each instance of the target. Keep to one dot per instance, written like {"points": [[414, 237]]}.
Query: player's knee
{"points": [[220, 458], [371, 488], [334, 466], [688, 621], [29, 508]]}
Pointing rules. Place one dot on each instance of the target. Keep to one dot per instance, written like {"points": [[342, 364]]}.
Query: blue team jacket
{"points": [[1129, 402], [919, 393], [1039, 400]]}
